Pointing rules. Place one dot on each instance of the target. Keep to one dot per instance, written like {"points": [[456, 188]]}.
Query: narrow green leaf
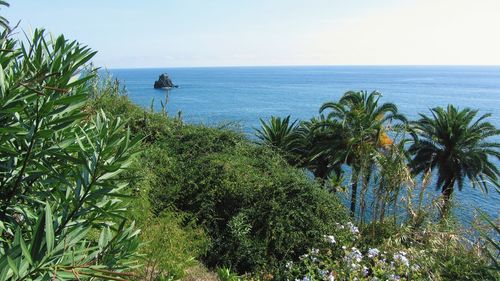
{"points": [[26, 252], [12, 265], [49, 228], [36, 241]]}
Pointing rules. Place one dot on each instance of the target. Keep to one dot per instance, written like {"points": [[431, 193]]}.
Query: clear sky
{"points": [[171, 33]]}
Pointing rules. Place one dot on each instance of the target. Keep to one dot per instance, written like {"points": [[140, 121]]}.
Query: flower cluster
{"points": [[341, 259], [372, 253], [354, 229], [401, 258]]}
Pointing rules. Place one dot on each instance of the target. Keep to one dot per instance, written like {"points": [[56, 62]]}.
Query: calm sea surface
{"points": [[244, 94]]}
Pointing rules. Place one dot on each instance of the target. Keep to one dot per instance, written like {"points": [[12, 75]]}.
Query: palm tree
{"points": [[364, 122], [303, 145], [319, 142], [280, 134], [457, 144]]}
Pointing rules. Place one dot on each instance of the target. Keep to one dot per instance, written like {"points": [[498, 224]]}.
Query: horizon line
{"points": [[305, 65]]}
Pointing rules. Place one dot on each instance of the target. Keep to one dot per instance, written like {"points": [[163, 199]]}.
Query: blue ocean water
{"points": [[219, 95]]}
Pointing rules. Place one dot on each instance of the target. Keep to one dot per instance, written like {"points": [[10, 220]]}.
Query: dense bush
{"points": [[257, 209], [62, 216]]}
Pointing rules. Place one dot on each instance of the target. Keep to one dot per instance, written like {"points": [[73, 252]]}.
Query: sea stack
{"points": [[164, 82]]}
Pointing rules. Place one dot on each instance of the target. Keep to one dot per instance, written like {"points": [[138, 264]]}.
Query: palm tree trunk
{"points": [[354, 193], [447, 191]]}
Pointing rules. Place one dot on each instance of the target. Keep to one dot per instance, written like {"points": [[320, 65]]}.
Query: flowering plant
{"points": [[340, 259]]}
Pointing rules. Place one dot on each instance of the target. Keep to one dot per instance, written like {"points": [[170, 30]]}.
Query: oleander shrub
{"points": [[62, 216]]}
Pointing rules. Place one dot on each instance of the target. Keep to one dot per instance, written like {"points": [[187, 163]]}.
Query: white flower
{"points": [[323, 272], [344, 247], [365, 271], [331, 278], [354, 256], [289, 264], [353, 228], [314, 251], [330, 239], [393, 277], [373, 253], [402, 259]]}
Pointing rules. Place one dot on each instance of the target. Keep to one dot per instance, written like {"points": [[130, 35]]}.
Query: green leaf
{"points": [[36, 240], [26, 252], [12, 265], [49, 228]]}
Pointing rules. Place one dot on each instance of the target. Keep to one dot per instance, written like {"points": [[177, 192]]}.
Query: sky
{"points": [[190, 33]]}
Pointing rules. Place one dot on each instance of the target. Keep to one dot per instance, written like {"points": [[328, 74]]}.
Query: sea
{"points": [[241, 96]]}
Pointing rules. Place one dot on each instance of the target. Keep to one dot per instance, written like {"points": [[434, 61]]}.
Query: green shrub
{"points": [[62, 216], [257, 210]]}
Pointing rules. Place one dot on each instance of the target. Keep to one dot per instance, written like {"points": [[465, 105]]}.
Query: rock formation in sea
{"points": [[164, 82]]}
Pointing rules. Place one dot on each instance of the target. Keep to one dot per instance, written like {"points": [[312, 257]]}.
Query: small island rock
{"points": [[164, 82]]}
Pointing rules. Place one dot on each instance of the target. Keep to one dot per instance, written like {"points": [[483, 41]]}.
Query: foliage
{"points": [[279, 134], [457, 144], [364, 122], [4, 23], [340, 259], [391, 178], [173, 242], [256, 209], [320, 146], [428, 253], [225, 274], [59, 169], [492, 243], [172, 245]]}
